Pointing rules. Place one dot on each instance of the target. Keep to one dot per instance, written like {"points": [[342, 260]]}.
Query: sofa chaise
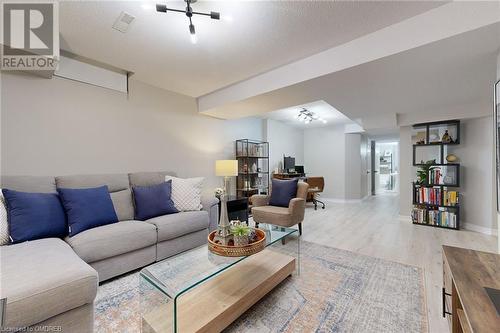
{"points": [[53, 282]]}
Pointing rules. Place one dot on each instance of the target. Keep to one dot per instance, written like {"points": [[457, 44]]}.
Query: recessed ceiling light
{"points": [[147, 6], [227, 18]]}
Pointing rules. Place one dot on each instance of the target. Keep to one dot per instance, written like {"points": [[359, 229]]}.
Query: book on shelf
{"points": [[442, 217], [450, 198], [418, 215], [436, 196], [435, 176]]}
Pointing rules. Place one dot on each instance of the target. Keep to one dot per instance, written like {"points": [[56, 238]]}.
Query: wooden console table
{"points": [[466, 274]]}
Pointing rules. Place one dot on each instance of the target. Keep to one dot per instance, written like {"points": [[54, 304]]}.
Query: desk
{"points": [[466, 303]]}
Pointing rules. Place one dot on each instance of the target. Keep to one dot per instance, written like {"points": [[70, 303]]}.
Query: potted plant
{"points": [[423, 171], [240, 233]]}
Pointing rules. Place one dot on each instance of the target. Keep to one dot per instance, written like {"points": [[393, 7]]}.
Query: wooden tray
{"points": [[237, 251]]}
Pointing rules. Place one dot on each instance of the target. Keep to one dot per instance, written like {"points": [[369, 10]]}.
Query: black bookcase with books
{"points": [[436, 196]]}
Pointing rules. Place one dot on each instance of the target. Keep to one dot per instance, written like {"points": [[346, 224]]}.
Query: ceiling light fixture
{"points": [[308, 116], [189, 13]]}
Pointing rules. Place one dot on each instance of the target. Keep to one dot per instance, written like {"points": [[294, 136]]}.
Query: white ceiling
{"points": [[450, 78], [321, 109], [262, 35]]}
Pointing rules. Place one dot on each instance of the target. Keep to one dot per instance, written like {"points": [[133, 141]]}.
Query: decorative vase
{"points": [[240, 240], [451, 158]]}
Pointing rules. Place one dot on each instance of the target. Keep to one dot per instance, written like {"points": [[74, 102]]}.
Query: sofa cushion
{"points": [[154, 200], [38, 184], [34, 215], [112, 240], [283, 190], [123, 203], [87, 208], [4, 226], [43, 278], [186, 193], [176, 225], [148, 178], [114, 182]]}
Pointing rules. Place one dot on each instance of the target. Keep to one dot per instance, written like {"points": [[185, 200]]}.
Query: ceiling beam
{"points": [[442, 22]]}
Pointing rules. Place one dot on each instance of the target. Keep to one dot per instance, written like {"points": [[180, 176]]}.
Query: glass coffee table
{"points": [[200, 291]]}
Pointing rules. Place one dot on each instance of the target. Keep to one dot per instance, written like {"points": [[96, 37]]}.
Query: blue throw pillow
{"points": [[87, 208], [282, 192], [34, 215], [152, 201]]}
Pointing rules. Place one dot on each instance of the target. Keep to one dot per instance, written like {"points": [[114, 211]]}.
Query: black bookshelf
{"points": [[430, 196], [253, 168]]}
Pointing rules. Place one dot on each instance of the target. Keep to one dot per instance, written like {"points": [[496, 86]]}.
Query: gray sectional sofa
{"points": [[53, 282]]}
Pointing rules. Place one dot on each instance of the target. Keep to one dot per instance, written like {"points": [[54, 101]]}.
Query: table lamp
{"points": [[226, 169]]}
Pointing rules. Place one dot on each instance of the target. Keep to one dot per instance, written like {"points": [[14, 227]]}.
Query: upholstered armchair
{"points": [[281, 216]]}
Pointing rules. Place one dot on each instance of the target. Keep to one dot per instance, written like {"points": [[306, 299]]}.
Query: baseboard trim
{"points": [[465, 225], [344, 201], [404, 218], [480, 229]]}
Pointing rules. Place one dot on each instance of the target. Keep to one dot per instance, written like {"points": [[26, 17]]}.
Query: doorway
{"points": [[384, 167]]}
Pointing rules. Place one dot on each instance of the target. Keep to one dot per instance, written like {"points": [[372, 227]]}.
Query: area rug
{"points": [[336, 291]]}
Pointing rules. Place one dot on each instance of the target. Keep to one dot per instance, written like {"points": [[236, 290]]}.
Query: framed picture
{"points": [[497, 138]]}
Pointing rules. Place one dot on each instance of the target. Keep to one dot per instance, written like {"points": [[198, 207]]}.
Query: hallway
{"points": [[373, 228]]}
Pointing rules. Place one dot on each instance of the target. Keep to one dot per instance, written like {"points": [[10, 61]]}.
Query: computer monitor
{"points": [[288, 163], [299, 169]]}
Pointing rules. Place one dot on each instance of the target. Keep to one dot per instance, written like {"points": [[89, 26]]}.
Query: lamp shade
{"points": [[226, 168]]}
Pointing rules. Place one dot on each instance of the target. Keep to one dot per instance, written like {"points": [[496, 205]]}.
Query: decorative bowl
{"points": [[451, 158], [238, 251]]}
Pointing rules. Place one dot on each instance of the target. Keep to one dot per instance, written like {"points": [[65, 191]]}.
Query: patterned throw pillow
{"points": [[4, 227], [186, 193]]}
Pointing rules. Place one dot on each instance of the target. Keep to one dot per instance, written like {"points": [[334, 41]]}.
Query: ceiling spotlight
{"points": [[227, 18], [308, 116], [189, 13], [146, 6]]}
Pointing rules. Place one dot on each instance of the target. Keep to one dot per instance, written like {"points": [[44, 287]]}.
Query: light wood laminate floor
{"points": [[373, 228]]}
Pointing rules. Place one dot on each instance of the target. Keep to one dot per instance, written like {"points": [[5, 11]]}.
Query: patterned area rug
{"points": [[337, 291]]}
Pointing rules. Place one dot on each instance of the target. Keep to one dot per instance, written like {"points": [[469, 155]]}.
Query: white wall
{"points": [[58, 127], [477, 174], [283, 139], [406, 172], [353, 167], [324, 155], [337, 156]]}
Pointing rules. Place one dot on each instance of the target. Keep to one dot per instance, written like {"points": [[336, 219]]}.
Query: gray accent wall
{"points": [[477, 173], [61, 127], [284, 139]]}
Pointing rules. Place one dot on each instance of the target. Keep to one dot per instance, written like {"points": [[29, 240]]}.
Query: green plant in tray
{"points": [[240, 229]]}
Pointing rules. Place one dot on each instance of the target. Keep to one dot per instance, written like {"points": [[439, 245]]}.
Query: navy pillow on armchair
{"points": [[152, 201], [282, 191], [87, 208], [34, 215]]}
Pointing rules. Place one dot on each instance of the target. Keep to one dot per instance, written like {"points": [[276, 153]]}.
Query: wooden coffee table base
{"points": [[213, 305]]}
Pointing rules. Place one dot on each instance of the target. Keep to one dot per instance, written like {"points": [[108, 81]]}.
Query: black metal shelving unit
{"points": [[432, 138], [253, 167]]}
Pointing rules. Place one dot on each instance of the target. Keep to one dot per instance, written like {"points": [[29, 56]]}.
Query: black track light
{"points": [[189, 13], [161, 8]]}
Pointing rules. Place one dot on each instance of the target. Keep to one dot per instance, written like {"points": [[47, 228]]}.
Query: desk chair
{"points": [[316, 186]]}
